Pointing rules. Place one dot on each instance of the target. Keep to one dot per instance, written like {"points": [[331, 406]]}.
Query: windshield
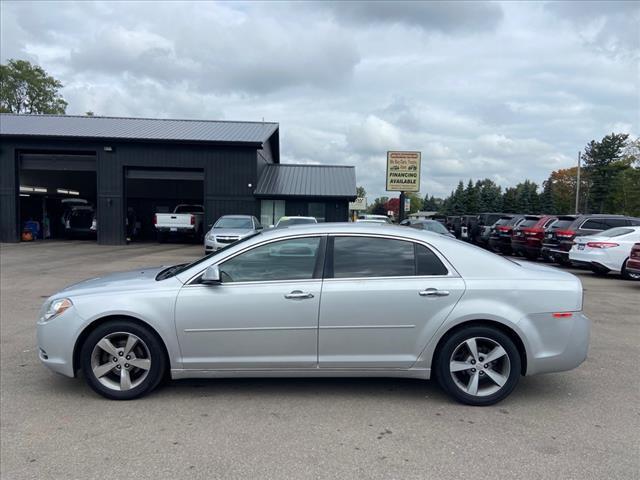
{"points": [[616, 232], [230, 222], [188, 209], [182, 267], [287, 222]]}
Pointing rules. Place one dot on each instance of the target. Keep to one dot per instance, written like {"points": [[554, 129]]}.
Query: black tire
{"points": [[157, 356], [451, 344], [161, 237], [531, 256], [625, 273]]}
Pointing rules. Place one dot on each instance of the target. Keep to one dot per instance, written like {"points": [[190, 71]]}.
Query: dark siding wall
{"points": [[227, 173], [8, 194]]}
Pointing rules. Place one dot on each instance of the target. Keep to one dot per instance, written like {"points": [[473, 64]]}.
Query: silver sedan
{"points": [[342, 300]]}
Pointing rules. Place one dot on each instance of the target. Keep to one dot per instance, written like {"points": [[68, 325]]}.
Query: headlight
{"points": [[56, 308]]}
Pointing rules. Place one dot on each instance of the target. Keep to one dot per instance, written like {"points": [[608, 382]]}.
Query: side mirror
{"points": [[259, 227], [211, 276]]}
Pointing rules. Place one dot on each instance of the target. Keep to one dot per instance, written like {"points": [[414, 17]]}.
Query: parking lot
{"points": [[582, 424]]}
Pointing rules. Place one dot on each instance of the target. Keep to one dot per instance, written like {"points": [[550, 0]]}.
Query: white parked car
{"points": [[606, 251]]}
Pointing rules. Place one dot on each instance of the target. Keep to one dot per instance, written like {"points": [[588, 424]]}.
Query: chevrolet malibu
{"points": [[342, 300]]}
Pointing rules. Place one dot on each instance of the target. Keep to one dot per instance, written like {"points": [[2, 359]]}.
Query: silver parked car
{"points": [[229, 229], [322, 300]]}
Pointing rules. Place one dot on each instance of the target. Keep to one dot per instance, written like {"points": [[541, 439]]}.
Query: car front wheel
{"points": [[627, 275], [122, 360], [478, 366]]}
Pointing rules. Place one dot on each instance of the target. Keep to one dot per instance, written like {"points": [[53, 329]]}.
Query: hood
{"points": [[132, 280], [232, 232]]}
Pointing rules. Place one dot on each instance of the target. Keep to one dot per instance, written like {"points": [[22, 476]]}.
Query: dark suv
{"points": [[526, 238], [482, 230], [559, 236], [500, 238]]}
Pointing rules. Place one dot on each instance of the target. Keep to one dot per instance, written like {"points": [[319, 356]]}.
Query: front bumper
{"points": [[56, 341], [213, 245], [555, 344]]}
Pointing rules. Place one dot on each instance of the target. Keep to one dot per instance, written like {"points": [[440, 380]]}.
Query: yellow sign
{"points": [[403, 171]]}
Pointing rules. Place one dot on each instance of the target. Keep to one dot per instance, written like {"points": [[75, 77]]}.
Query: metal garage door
{"points": [[164, 174], [47, 161]]}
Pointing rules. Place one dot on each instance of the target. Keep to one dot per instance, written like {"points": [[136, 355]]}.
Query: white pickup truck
{"points": [[186, 220]]}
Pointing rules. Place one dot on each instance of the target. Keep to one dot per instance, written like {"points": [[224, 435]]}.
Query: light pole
{"points": [[578, 186]]}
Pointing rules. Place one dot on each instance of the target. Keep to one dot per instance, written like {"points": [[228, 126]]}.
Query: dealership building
{"points": [[147, 166]]}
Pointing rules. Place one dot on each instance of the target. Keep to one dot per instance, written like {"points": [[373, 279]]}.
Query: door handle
{"points": [[298, 294], [433, 292]]}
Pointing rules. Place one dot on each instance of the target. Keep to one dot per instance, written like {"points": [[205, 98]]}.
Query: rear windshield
{"points": [[233, 223], [561, 224], [616, 232], [528, 223], [503, 221]]}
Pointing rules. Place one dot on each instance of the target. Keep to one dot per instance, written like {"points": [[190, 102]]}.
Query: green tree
{"points": [[471, 199], [458, 204], [360, 191], [604, 161], [490, 198], [509, 202], [27, 88], [416, 202]]}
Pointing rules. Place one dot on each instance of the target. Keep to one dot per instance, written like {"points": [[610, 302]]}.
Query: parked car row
{"points": [[600, 242]]}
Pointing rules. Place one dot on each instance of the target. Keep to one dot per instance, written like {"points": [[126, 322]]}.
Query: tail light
{"points": [[562, 314], [504, 229], [193, 220], [635, 253], [155, 219], [602, 244], [565, 233]]}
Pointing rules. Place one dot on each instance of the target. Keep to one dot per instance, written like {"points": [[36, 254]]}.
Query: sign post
{"points": [[403, 175]]}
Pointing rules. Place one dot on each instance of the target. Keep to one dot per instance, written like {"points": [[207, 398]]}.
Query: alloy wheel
{"points": [[120, 361], [479, 366]]}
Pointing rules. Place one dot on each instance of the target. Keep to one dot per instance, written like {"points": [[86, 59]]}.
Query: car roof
{"points": [[236, 216]]}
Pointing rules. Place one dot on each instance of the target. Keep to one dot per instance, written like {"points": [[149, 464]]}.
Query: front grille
{"points": [[227, 239]]}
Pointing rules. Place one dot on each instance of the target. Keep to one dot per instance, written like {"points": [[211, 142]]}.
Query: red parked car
{"points": [[633, 263], [526, 238]]}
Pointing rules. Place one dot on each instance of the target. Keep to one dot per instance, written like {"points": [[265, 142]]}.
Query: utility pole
{"points": [[578, 186], [401, 212]]}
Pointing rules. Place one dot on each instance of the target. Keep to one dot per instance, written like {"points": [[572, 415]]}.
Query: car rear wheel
{"points": [[478, 366], [122, 360]]}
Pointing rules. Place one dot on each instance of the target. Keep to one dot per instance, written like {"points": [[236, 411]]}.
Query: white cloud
{"points": [[501, 90]]}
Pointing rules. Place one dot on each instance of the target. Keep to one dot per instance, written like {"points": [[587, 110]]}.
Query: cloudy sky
{"points": [[501, 90]]}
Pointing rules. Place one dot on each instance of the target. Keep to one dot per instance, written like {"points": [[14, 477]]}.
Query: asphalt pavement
{"points": [[583, 424]]}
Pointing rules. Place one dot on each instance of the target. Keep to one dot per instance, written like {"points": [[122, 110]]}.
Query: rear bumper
{"points": [[500, 243], [525, 247], [555, 253], [176, 230], [594, 258], [555, 344]]}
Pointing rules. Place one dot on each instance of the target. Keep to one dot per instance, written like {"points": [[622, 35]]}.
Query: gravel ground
{"points": [[583, 424]]}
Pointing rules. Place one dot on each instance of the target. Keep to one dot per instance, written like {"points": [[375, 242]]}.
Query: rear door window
{"points": [[595, 224], [358, 257]]}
